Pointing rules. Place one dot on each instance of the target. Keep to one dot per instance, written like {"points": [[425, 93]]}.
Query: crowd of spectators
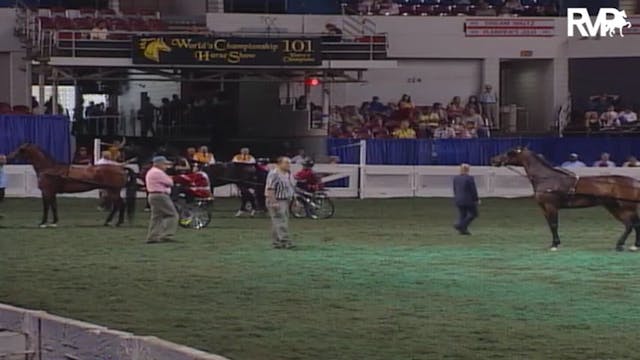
{"points": [[456, 7], [606, 114], [604, 161], [404, 120]]}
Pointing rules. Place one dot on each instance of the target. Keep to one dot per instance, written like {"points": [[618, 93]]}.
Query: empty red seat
{"points": [[58, 11], [21, 109], [83, 23], [407, 10], [88, 12], [47, 23], [138, 25], [5, 108], [157, 25], [148, 13], [107, 12], [129, 13]]}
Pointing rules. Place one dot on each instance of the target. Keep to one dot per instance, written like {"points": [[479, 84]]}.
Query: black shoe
{"points": [[464, 232]]}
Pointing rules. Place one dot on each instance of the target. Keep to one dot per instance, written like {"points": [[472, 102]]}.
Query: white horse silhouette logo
{"points": [[618, 22]]}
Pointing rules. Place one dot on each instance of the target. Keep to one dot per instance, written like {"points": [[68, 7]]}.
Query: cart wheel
{"points": [[297, 208], [321, 207], [194, 217]]}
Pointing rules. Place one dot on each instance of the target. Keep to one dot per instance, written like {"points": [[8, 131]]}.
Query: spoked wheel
{"points": [[297, 208], [194, 216], [321, 207]]}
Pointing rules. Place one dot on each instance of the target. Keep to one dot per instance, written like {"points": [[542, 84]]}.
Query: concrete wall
{"points": [[129, 101], [15, 82]]}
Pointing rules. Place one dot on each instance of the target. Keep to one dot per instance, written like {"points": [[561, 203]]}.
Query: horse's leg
{"points": [[625, 216], [45, 210], [636, 227], [54, 209], [551, 214], [113, 209], [121, 210]]}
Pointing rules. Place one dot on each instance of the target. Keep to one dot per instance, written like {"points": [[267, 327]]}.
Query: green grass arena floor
{"points": [[384, 279]]}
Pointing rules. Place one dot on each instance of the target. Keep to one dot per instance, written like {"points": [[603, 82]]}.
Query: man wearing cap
{"points": [[573, 162], [164, 217], [466, 199]]}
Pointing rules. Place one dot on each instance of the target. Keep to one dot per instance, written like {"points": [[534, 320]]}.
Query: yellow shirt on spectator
{"points": [[204, 158], [408, 133], [245, 159], [115, 153]]}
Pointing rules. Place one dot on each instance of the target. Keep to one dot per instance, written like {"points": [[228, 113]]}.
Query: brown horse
{"points": [[56, 178], [556, 189]]}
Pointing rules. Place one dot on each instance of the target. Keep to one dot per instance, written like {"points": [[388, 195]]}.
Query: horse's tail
{"points": [[131, 190]]}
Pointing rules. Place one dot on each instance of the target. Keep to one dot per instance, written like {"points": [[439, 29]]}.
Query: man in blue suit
{"points": [[466, 198]]}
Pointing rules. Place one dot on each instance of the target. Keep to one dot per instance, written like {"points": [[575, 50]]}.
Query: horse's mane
{"points": [[545, 163], [46, 154]]}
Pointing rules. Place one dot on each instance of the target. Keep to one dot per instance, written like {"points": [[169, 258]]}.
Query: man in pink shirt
{"points": [[164, 217]]}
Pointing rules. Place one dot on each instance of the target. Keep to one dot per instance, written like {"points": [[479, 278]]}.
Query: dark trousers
{"points": [[466, 214], [1, 194]]}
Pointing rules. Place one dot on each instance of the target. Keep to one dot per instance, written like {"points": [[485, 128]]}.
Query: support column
{"points": [[326, 103], [561, 91], [491, 75], [54, 93], [41, 80]]}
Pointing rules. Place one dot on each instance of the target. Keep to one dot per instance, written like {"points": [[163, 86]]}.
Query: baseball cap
{"points": [[573, 155], [160, 160]]}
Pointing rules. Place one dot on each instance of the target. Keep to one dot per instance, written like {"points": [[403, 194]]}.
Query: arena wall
{"points": [[15, 87], [50, 337]]}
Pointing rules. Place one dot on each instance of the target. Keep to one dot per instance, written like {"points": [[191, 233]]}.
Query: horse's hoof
{"points": [[633, 248], [553, 248], [620, 248]]}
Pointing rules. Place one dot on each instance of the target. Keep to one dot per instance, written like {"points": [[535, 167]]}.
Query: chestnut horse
{"points": [[56, 178], [555, 189]]}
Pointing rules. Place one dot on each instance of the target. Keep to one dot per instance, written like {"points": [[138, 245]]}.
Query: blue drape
{"points": [[49, 132], [479, 151]]}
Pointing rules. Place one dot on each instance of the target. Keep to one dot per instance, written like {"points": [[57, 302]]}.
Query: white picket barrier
{"points": [[371, 181]]}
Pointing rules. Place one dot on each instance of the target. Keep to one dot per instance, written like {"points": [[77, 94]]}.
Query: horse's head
{"points": [[153, 48], [511, 157], [23, 151]]}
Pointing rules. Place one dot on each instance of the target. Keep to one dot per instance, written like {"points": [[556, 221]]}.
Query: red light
{"points": [[312, 81]]}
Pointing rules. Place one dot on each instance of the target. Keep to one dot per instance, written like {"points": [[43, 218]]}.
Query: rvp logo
{"points": [[607, 22]]}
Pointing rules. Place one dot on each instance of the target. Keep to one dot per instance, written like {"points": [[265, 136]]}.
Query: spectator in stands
{"points": [[428, 117], [165, 113], [375, 106], [191, 153], [592, 122], [300, 157], [405, 102], [455, 109], [632, 161], [244, 157], [204, 156], [146, 115], [82, 156], [424, 131], [601, 103], [439, 110], [489, 103], [444, 131], [604, 161], [609, 118], [405, 131], [390, 7], [513, 6], [34, 103], [301, 103], [178, 108], [48, 107], [378, 128], [332, 33], [573, 162], [472, 103], [627, 117], [463, 131], [483, 9], [335, 116], [100, 31], [471, 116]]}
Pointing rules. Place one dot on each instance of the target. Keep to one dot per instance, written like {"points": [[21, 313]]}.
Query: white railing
{"points": [[49, 337], [371, 181]]}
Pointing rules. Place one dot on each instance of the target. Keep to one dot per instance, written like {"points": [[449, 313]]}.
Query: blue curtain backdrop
{"points": [[49, 132], [479, 151]]}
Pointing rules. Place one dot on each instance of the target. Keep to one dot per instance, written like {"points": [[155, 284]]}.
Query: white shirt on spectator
{"points": [[99, 33], [103, 161], [444, 133], [628, 117], [601, 163]]}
